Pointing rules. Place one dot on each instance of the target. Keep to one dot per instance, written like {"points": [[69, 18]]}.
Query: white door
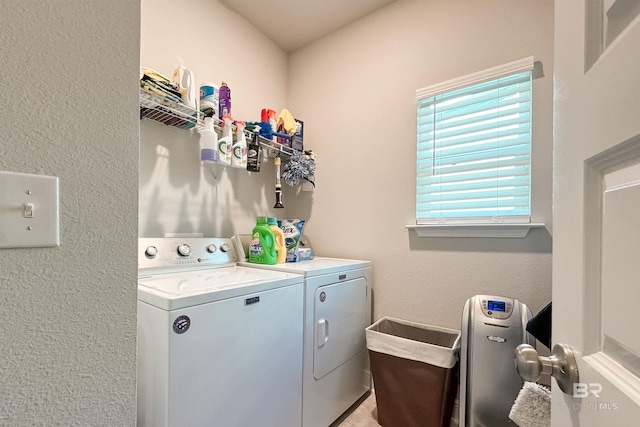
{"points": [[596, 204]]}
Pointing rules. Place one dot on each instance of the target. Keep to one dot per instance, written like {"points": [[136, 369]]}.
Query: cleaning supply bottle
{"points": [[273, 123], [262, 248], [185, 81], [224, 100], [209, 99], [254, 152], [239, 159], [281, 246], [208, 142], [225, 143]]}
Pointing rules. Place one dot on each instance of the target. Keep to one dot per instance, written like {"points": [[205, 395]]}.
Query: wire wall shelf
{"points": [[175, 114], [170, 113]]}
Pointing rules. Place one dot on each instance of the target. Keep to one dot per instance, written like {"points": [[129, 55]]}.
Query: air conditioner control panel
{"points": [[496, 307]]}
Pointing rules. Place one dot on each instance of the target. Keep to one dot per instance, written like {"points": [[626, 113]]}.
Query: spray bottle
{"points": [[208, 142], [239, 159], [225, 143]]}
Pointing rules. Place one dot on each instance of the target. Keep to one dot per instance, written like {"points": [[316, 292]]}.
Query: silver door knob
{"points": [[561, 365]]}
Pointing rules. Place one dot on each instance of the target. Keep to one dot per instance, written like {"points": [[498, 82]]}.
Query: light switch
{"points": [[29, 210]]}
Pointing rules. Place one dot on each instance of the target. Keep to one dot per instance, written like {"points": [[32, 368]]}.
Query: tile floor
{"points": [[362, 414]]}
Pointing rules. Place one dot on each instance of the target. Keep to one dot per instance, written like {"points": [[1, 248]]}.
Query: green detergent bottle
{"points": [[262, 249]]}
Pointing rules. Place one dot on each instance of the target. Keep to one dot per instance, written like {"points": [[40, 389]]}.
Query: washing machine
{"points": [[218, 344], [337, 309]]}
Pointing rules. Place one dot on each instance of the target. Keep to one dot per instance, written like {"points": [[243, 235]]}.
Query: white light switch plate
{"points": [[29, 211]]}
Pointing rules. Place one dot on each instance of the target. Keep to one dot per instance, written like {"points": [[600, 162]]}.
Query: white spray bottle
{"points": [[225, 143], [239, 159], [208, 142]]}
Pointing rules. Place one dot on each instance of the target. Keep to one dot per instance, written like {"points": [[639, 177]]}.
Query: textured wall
{"points": [[355, 89], [177, 195], [69, 90]]}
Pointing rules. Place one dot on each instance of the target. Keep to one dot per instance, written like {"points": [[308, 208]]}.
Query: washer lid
{"points": [[314, 267], [179, 290]]}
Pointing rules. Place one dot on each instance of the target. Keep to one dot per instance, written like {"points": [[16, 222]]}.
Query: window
{"points": [[474, 148]]}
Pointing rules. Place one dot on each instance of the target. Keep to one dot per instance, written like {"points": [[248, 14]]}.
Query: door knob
{"points": [[561, 365]]}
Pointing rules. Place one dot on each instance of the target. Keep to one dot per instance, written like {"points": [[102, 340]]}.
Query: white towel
{"points": [[532, 407]]}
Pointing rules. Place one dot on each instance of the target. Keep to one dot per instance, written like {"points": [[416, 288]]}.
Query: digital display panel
{"points": [[496, 306]]}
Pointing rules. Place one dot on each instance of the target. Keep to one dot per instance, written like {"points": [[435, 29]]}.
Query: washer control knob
{"points": [[211, 248], [224, 247], [184, 250], [151, 252]]}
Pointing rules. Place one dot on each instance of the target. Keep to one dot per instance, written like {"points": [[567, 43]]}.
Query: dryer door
{"points": [[340, 317]]}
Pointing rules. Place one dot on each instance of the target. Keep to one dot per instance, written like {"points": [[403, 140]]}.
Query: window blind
{"points": [[474, 152]]}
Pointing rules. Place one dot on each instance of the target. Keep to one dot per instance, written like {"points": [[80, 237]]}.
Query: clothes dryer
{"points": [[337, 309]]}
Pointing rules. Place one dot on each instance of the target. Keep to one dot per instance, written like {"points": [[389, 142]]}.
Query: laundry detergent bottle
{"points": [[281, 246], [262, 249]]}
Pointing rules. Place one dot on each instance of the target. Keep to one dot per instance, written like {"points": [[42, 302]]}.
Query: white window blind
{"points": [[474, 148]]}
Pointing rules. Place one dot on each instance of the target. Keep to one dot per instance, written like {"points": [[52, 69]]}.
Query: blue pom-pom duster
{"points": [[300, 166]]}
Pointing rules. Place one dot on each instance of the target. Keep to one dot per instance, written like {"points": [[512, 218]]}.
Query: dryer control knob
{"points": [[211, 248], [224, 247], [151, 252], [184, 250]]}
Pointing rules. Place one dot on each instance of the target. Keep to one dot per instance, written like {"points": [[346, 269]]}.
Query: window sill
{"points": [[517, 231]]}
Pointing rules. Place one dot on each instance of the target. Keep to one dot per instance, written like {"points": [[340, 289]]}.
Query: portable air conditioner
{"points": [[492, 328]]}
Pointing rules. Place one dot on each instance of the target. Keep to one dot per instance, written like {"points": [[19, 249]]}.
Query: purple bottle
{"points": [[224, 100]]}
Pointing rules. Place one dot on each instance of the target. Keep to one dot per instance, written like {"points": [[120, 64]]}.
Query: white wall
{"points": [[355, 89], [68, 335], [176, 194]]}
